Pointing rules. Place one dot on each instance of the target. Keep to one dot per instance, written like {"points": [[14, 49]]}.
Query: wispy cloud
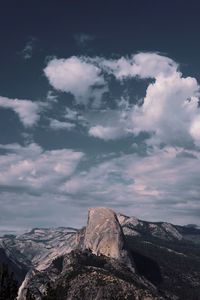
{"points": [[158, 186], [142, 65], [28, 50], [30, 180], [35, 170], [47, 187], [59, 125], [110, 124], [83, 39], [158, 179], [27, 111]]}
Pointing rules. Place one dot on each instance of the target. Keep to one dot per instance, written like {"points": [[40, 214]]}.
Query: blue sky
{"points": [[99, 106]]}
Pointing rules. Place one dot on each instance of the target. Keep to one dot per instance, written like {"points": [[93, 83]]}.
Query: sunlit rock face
{"points": [[112, 255], [104, 235]]}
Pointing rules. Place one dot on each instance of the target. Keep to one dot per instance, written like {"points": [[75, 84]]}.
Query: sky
{"points": [[99, 106]]}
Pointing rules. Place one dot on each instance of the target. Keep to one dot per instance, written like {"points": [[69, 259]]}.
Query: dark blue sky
{"points": [[121, 27], [99, 101]]}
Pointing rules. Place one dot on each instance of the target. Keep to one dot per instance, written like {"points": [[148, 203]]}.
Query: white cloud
{"points": [[28, 111], [51, 97], [105, 133], [32, 169], [169, 110], [57, 125], [195, 129], [27, 52], [45, 187], [77, 76], [30, 180], [110, 124], [164, 184], [74, 115], [71, 114], [157, 187], [143, 65]]}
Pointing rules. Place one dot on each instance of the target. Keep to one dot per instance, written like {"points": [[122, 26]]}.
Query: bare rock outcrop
{"points": [[87, 276], [104, 235]]}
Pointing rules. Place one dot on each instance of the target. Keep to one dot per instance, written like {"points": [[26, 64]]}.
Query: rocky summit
{"points": [[103, 233], [113, 257]]}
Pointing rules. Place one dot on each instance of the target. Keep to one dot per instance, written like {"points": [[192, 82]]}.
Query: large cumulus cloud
{"points": [[169, 111]]}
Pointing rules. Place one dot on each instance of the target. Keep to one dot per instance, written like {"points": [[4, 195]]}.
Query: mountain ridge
{"points": [[35, 251]]}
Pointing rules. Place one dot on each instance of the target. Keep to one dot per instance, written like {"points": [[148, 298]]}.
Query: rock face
{"points": [[103, 236], [53, 247], [37, 248], [161, 230], [96, 261], [81, 275], [103, 233], [85, 276]]}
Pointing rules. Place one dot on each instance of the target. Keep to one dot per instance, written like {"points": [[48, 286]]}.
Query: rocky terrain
{"points": [[113, 257], [39, 246], [84, 275]]}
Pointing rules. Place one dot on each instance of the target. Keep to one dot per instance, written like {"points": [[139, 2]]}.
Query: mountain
{"points": [[99, 268], [39, 246], [167, 255], [113, 257], [160, 230], [83, 275]]}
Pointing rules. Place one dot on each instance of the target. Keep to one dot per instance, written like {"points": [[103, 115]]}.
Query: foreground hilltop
{"points": [[113, 257]]}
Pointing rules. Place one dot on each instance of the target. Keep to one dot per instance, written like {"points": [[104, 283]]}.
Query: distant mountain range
{"points": [[113, 257]]}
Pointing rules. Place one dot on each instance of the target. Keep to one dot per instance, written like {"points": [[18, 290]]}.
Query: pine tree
{"points": [[8, 285]]}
